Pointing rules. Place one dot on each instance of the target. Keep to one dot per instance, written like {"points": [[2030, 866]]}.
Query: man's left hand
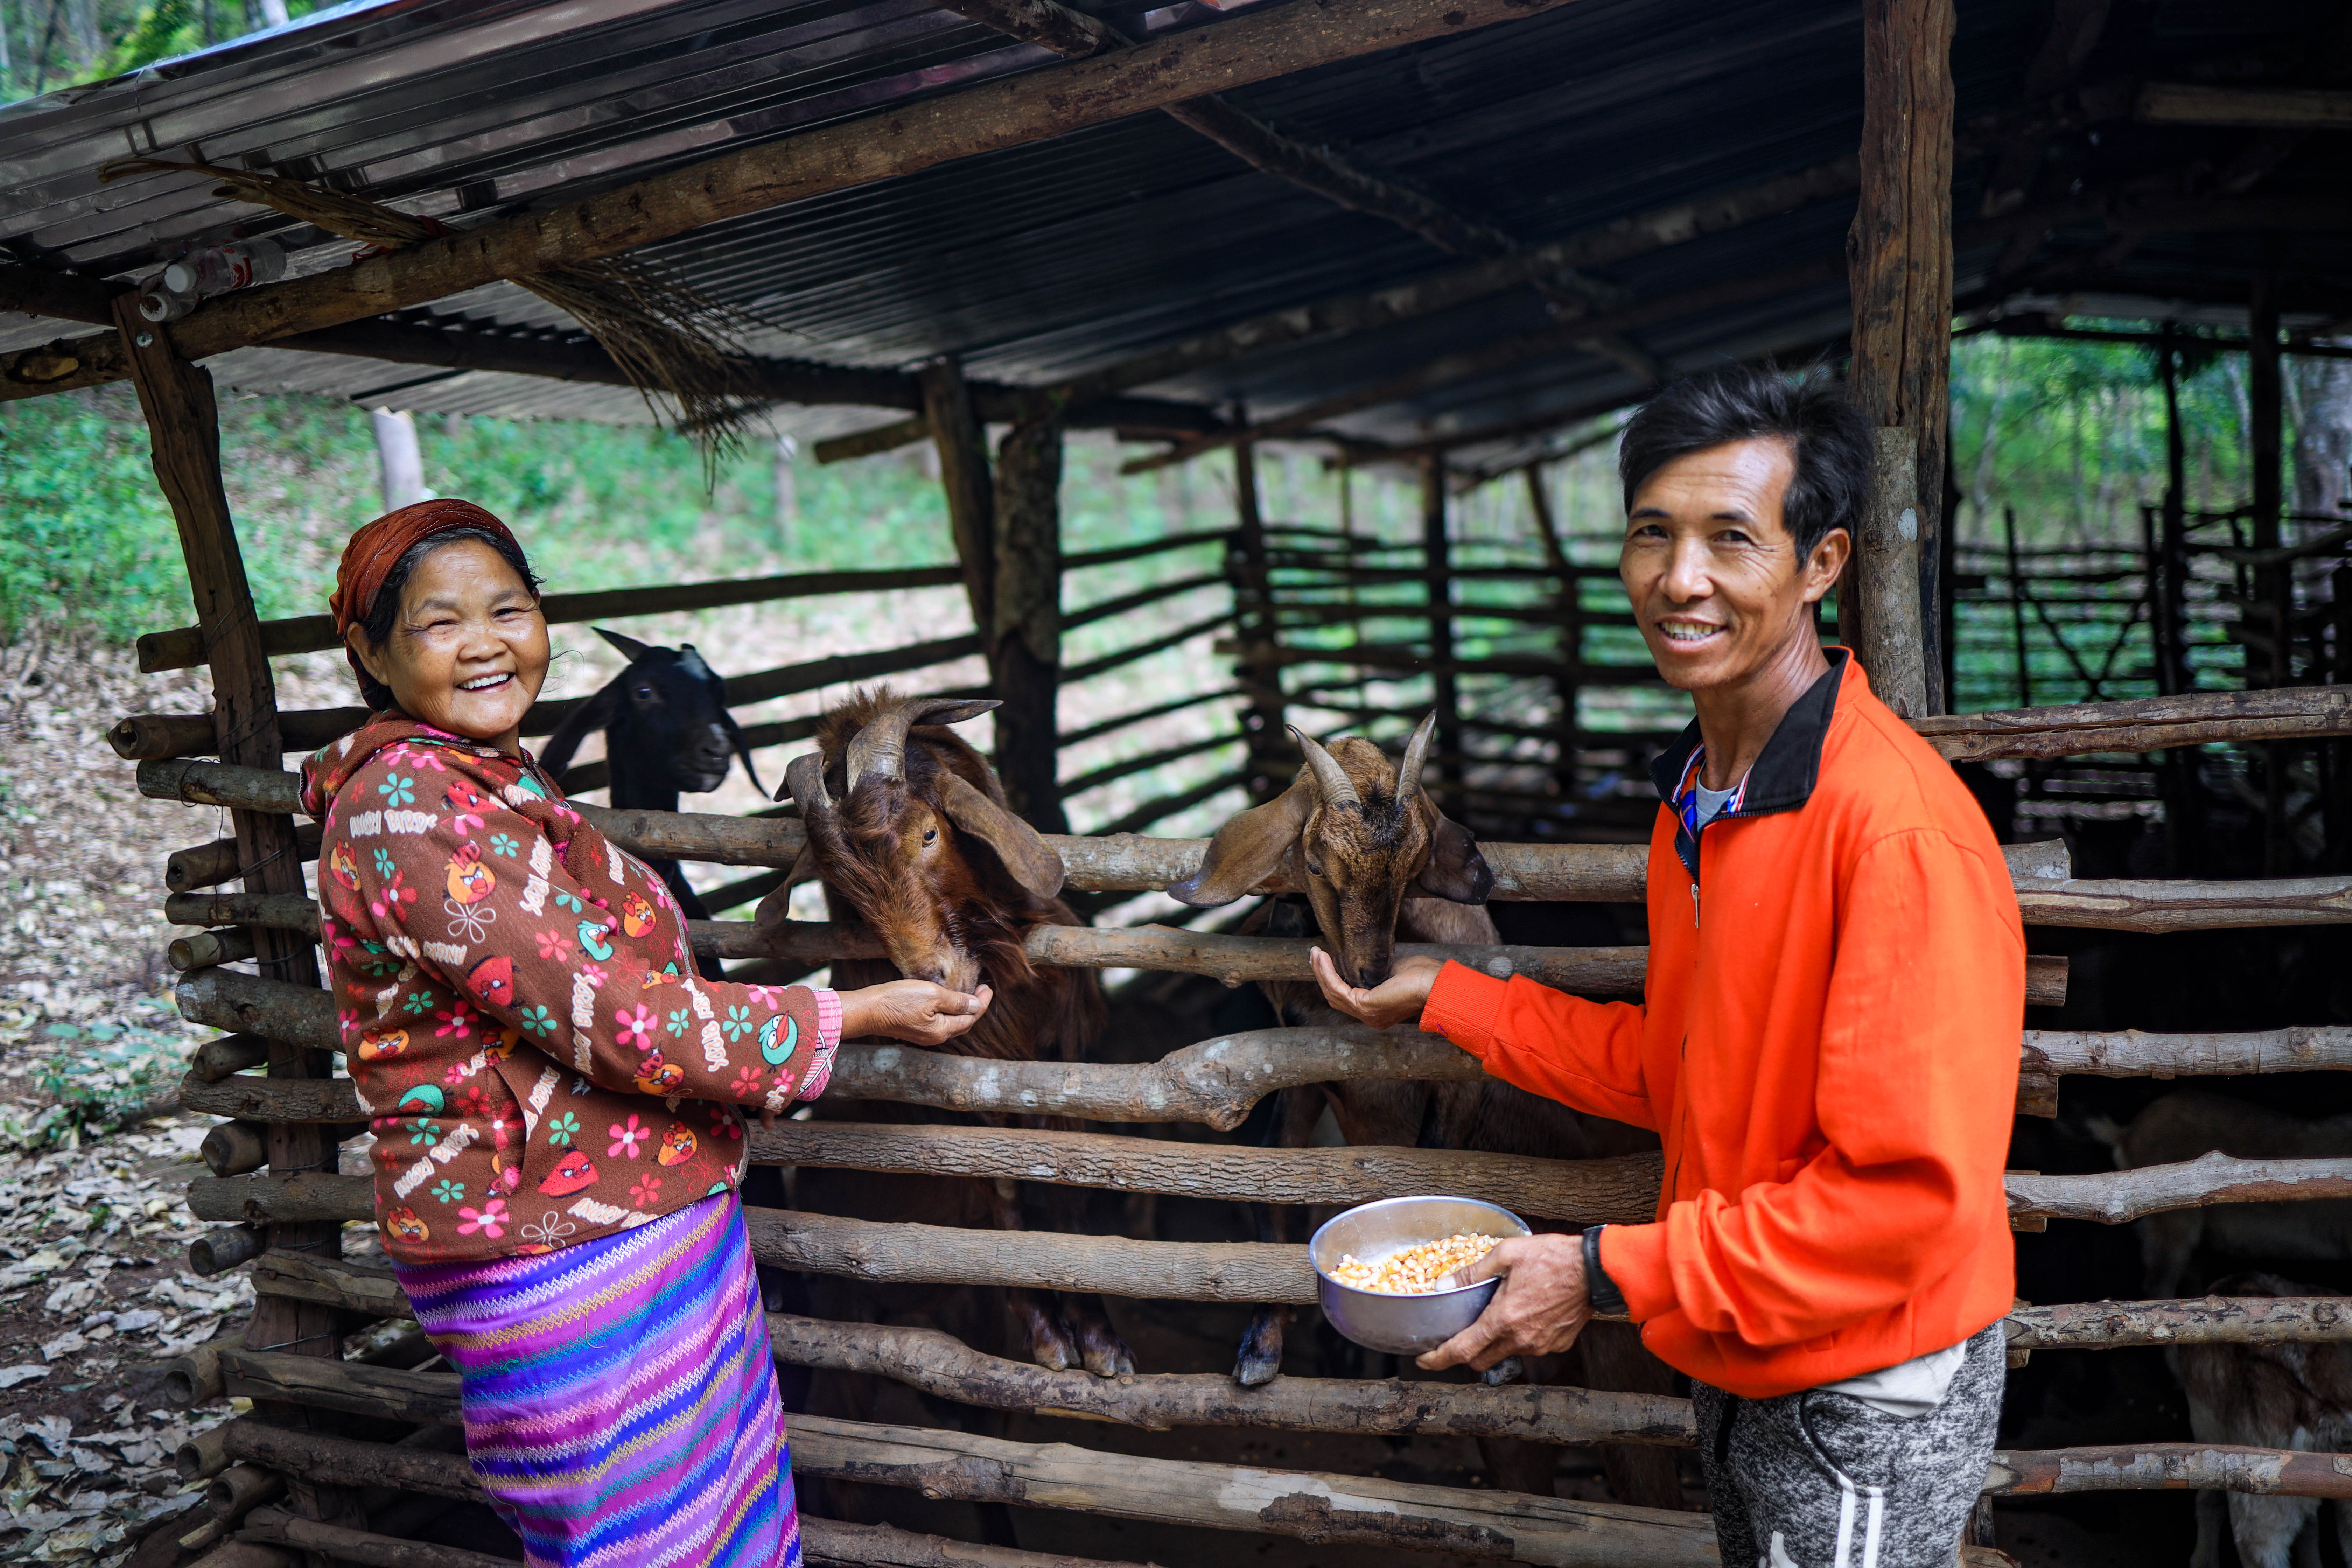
{"points": [[1541, 1307]]}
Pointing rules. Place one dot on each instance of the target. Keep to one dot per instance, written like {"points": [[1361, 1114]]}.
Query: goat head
{"points": [[896, 841], [1360, 839], [664, 716]]}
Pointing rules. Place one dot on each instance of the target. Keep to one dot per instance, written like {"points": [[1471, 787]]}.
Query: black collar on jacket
{"points": [[1785, 772]]}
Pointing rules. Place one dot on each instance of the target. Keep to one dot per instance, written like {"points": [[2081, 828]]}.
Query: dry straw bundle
{"points": [[665, 335]]}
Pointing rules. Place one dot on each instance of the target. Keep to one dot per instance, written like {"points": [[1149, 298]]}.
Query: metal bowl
{"points": [[1404, 1325]]}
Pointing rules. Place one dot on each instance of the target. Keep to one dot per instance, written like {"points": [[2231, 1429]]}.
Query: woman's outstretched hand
{"points": [[1394, 1000], [915, 1011]]}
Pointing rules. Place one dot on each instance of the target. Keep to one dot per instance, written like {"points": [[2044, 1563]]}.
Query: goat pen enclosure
{"points": [[847, 191]]}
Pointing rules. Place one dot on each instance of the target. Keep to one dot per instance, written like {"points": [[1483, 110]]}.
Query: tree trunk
{"points": [[1900, 254], [1026, 604]]}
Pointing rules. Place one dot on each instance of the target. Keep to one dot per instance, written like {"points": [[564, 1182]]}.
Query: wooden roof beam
{"points": [[456, 344], [1248, 137], [1504, 354], [2262, 108], [1620, 240], [907, 139]]}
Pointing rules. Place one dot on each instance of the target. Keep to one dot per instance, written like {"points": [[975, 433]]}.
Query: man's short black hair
{"points": [[1827, 436]]}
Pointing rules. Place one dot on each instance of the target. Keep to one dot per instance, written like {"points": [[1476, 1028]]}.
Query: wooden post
{"points": [[2273, 586], [1900, 257], [183, 430], [2336, 756], [1026, 662], [963, 474], [1437, 559], [1569, 601], [2017, 609], [1273, 759], [1886, 575]]}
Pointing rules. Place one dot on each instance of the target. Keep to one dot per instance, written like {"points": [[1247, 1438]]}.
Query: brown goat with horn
{"points": [[909, 831], [1379, 861]]}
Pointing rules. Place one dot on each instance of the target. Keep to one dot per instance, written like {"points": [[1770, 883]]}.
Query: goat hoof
{"points": [[1260, 1358], [1510, 1369], [1050, 1346], [1107, 1356]]}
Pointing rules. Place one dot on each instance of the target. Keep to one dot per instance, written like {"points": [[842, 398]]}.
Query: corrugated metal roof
{"points": [[1047, 259]]}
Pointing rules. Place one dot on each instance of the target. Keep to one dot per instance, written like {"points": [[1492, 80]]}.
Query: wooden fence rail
{"points": [[1216, 1082], [1325, 1509], [2082, 1325], [1604, 873], [183, 647], [1261, 1271], [1318, 1507]]}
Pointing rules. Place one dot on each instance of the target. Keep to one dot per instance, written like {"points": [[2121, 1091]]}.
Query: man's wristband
{"points": [[1602, 1291]]}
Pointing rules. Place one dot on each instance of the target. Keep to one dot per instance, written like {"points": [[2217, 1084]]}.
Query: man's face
{"points": [[1716, 584]]}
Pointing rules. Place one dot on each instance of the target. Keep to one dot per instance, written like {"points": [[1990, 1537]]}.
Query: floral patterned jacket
{"points": [[521, 1012]]}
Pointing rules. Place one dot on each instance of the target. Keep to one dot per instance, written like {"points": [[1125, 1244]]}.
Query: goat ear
{"points": [[1456, 870], [1031, 860], [631, 649], [952, 709], [742, 747], [592, 714], [1249, 848]]}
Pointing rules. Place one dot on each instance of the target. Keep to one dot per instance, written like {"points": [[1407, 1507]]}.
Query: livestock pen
{"points": [[957, 190]]}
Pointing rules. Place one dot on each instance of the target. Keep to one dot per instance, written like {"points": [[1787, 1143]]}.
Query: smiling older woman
{"points": [[555, 1090]]}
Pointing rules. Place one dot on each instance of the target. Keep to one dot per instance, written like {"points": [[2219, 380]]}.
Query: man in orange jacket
{"points": [[1828, 1049]]}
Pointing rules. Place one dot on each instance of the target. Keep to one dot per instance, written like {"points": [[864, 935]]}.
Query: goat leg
{"points": [[1051, 1344], [1292, 1126]]}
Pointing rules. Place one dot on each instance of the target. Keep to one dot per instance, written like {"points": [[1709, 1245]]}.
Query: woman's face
{"points": [[468, 647]]}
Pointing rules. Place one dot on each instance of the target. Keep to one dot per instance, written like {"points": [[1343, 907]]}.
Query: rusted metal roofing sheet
{"points": [[1066, 256]]}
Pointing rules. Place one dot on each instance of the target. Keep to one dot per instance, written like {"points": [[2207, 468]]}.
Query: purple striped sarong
{"points": [[619, 1396]]}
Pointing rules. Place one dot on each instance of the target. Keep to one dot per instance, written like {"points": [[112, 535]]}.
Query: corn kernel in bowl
{"points": [[1416, 1270]]}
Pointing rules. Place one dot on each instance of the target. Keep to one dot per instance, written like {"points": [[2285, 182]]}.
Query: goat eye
{"points": [[646, 693], [929, 834], [1314, 867]]}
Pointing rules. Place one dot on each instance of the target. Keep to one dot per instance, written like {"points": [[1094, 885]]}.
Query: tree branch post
{"points": [[1899, 256], [184, 428], [1026, 640], [1273, 760], [1438, 557]]}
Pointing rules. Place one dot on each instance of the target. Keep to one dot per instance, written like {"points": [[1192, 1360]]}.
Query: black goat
{"points": [[666, 733]]}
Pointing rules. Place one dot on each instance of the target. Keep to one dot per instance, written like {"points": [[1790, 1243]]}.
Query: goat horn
{"points": [[1329, 777], [804, 782], [1416, 755], [880, 748]]}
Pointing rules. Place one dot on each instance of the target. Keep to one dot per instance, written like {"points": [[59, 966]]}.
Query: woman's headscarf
{"points": [[375, 550]]}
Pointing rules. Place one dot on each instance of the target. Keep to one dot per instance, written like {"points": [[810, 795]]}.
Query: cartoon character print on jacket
{"points": [[523, 1022]]}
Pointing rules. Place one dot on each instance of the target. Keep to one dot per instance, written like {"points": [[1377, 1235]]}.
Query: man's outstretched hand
{"points": [[1542, 1306], [1395, 999]]}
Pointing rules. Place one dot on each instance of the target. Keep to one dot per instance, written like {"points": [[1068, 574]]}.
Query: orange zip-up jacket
{"points": [[1828, 1047]]}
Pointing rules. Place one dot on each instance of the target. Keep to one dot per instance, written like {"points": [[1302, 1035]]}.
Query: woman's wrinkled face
{"points": [[468, 648]]}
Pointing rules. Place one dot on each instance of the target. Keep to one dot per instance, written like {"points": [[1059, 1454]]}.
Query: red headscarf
{"points": [[375, 550]]}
